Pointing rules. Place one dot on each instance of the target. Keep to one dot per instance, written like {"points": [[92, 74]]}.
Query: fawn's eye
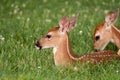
{"points": [[97, 38], [48, 36]]}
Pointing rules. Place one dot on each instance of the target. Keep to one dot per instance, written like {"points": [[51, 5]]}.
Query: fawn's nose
{"points": [[96, 50], [37, 45]]}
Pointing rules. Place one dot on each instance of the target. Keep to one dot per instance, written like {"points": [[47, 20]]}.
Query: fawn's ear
{"points": [[111, 17], [64, 22], [67, 24]]}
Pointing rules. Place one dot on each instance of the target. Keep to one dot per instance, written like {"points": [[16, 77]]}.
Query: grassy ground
{"points": [[23, 22]]}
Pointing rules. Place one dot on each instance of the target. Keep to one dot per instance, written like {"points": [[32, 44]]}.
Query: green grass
{"points": [[23, 22]]}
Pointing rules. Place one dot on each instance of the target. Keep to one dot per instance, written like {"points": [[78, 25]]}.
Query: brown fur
{"points": [[58, 39], [98, 27], [107, 32], [63, 57]]}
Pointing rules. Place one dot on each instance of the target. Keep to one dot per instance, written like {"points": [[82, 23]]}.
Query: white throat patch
{"points": [[54, 50]]}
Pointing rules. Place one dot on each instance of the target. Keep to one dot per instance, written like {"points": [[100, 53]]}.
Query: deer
{"points": [[57, 38], [106, 32]]}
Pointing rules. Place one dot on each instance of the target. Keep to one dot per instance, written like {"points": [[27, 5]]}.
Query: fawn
{"points": [[106, 32], [58, 39]]}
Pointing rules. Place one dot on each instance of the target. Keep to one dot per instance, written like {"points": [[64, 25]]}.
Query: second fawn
{"points": [[106, 32], [58, 39]]}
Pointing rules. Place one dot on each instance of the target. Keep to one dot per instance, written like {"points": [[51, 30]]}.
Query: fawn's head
{"points": [[103, 32], [56, 34]]}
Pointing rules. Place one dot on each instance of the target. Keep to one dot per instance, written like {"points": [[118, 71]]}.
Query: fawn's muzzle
{"points": [[37, 45], [96, 50]]}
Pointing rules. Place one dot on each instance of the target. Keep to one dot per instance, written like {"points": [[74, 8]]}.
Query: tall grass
{"points": [[22, 22]]}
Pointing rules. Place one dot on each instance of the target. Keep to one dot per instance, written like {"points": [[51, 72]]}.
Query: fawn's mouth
{"points": [[39, 48]]}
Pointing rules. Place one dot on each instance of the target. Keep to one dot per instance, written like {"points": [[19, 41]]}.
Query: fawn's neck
{"points": [[63, 53], [116, 36]]}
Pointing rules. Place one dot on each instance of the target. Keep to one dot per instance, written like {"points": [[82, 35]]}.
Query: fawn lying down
{"points": [[106, 32], [58, 39]]}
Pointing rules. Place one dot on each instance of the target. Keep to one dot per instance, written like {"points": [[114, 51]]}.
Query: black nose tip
{"points": [[95, 50], [37, 44]]}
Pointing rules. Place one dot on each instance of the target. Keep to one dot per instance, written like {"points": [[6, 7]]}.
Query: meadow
{"points": [[23, 22]]}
